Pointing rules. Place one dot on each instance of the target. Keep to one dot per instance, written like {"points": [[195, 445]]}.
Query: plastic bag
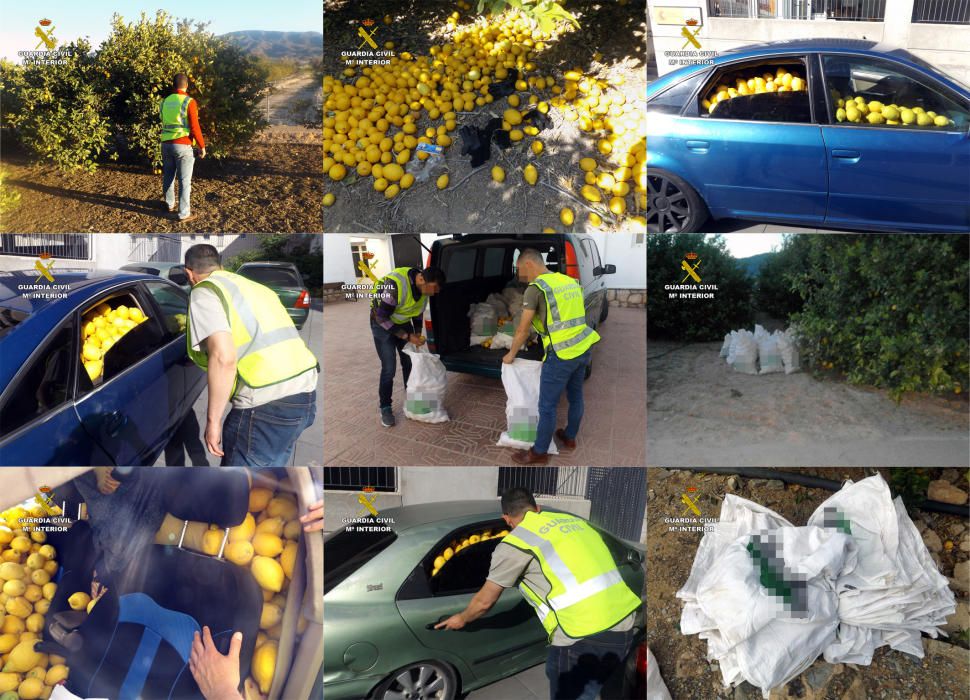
{"points": [[502, 341], [484, 323], [656, 688], [427, 384], [746, 354], [513, 298], [521, 382], [733, 347], [726, 347], [497, 302], [769, 355], [789, 351]]}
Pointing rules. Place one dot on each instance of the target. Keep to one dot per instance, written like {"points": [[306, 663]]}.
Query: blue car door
{"points": [[754, 155], [895, 173], [132, 411]]}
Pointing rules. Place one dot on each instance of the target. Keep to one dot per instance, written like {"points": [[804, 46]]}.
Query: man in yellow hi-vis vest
{"points": [[396, 319], [568, 575], [180, 125], [242, 336], [554, 306]]}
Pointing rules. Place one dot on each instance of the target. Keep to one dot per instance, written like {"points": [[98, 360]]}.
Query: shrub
{"points": [[890, 311], [774, 293], [9, 199], [695, 319]]}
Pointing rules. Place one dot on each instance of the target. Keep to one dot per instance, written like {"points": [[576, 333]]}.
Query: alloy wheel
{"points": [[419, 682], [668, 208]]}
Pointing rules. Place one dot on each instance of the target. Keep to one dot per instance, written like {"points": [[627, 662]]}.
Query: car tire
{"points": [[673, 206], [588, 371], [606, 312], [440, 682]]}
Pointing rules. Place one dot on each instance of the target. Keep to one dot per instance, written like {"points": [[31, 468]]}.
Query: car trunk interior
{"points": [[475, 269]]}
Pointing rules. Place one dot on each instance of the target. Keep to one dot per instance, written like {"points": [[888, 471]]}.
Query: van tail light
{"points": [[642, 660], [427, 262], [572, 264], [303, 301]]}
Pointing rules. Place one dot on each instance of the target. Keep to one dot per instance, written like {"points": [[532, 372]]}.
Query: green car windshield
{"points": [[348, 550]]}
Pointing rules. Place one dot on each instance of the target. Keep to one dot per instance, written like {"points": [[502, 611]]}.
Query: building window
{"points": [[846, 10], [383, 479], [70, 246], [941, 11]]}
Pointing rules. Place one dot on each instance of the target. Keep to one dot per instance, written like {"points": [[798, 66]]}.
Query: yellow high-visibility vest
{"points": [[566, 330], [408, 306], [174, 112], [588, 595], [269, 349]]}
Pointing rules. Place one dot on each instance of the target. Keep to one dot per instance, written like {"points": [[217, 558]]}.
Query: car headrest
{"points": [[219, 496]]}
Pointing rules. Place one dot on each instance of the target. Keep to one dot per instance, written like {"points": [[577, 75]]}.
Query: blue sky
{"points": [[744, 245], [92, 18]]}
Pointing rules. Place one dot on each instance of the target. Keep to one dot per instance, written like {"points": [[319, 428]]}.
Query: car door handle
{"points": [[698, 146], [114, 422], [431, 625], [842, 154]]}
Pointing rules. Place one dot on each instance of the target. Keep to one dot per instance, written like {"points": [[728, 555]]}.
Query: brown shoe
{"points": [[529, 457], [190, 217], [172, 210], [564, 441]]}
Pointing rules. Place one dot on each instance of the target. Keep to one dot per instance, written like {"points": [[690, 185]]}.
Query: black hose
{"points": [[819, 483]]}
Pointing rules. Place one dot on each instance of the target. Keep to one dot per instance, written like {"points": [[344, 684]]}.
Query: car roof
{"points": [[159, 265], [267, 263], [410, 517]]}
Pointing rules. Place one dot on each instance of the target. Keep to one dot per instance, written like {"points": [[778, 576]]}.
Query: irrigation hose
{"points": [[819, 483]]}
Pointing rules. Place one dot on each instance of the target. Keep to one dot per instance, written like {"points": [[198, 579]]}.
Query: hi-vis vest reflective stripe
{"points": [[566, 330], [174, 112], [269, 350], [588, 594], [408, 306]]}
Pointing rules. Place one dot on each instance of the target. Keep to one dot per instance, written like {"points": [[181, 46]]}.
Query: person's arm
{"points": [[386, 305], [221, 376], [480, 604], [195, 128], [216, 675], [521, 335]]}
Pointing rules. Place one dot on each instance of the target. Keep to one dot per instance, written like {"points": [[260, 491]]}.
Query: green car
{"points": [[286, 281], [382, 600]]}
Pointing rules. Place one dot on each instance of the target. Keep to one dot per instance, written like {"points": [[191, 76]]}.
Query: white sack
{"points": [[656, 688], [726, 347], [733, 347], [427, 384], [521, 382], [769, 355], [788, 349], [746, 354], [484, 322], [497, 302], [502, 341]]}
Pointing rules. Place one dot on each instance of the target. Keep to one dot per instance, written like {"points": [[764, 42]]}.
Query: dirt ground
{"points": [[702, 413], [473, 201], [941, 674], [271, 186]]}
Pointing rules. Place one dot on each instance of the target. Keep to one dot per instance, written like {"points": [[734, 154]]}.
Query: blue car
{"points": [[857, 136], [51, 411]]}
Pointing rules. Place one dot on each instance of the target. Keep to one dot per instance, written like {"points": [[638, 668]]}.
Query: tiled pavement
{"points": [[530, 684], [611, 433]]}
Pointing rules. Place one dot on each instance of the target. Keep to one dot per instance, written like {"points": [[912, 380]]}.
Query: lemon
{"points": [[40, 577], [8, 569], [840, 114], [498, 174], [212, 541], [8, 682], [512, 116], [875, 118], [941, 121], [442, 181], [594, 219], [618, 205], [392, 191], [604, 147], [22, 658], [566, 216], [90, 352], [31, 689], [14, 588], [55, 674], [337, 171], [267, 545], [288, 558], [34, 622], [240, 552], [514, 101], [328, 199], [392, 172], [924, 119], [591, 194], [530, 174], [268, 573], [474, 539], [852, 114], [264, 665], [536, 147], [587, 164], [271, 615], [515, 135], [890, 113]]}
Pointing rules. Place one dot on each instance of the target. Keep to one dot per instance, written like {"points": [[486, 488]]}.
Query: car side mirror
{"points": [[604, 270]]}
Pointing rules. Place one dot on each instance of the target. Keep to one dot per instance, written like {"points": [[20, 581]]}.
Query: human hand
{"points": [[417, 340], [106, 483], [313, 520], [202, 153], [455, 622], [216, 675], [213, 438], [509, 357]]}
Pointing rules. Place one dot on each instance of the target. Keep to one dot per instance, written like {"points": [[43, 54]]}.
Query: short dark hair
{"points": [[202, 258], [433, 275], [517, 500], [180, 81]]}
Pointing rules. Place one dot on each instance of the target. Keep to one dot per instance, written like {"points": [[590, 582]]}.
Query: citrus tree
{"points": [[545, 13], [695, 319], [889, 311]]}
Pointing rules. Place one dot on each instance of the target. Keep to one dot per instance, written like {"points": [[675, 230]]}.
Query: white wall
{"points": [[110, 250], [434, 484], [620, 249], [338, 265]]}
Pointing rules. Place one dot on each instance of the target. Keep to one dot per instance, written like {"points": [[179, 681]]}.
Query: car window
{"points": [[593, 252], [767, 91], [465, 569], [273, 276], [672, 100], [458, 264], [174, 304], [865, 91], [350, 549], [45, 384], [177, 275], [494, 264]]}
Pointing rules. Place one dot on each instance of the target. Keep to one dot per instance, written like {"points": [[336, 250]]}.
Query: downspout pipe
{"points": [[818, 483]]}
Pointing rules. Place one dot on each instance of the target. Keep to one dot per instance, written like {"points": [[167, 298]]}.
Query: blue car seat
{"points": [[138, 637]]}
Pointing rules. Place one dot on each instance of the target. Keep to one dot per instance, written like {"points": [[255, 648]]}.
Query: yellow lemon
{"points": [[530, 174], [288, 558], [267, 545], [337, 171], [268, 573], [536, 147], [264, 665], [240, 552], [940, 120], [442, 181], [498, 174], [31, 689], [328, 199], [590, 194], [566, 216], [243, 531]]}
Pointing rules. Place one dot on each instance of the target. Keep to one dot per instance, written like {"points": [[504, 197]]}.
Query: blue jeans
{"points": [[388, 346], [177, 158], [266, 435], [578, 672], [558, 376]]}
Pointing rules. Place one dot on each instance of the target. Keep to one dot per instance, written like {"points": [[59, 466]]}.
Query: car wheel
{"points": [[424, 680], [672, 205], [606, 311]]}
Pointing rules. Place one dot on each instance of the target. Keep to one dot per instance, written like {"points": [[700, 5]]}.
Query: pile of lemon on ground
{"points": [[857, 109], [456, 546], [267, 542], [782, 80], [371, 115], [27, 565], [101, 328]]}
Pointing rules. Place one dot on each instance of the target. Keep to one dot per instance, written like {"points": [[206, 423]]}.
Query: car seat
{"points": [[138, 637]]}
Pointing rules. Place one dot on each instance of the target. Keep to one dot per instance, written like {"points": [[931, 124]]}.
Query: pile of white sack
{"points": [[761, 352], [494, 321], [770, 597]]}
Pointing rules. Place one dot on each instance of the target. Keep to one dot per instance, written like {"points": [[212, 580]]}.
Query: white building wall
{"points": [[338, 262]]}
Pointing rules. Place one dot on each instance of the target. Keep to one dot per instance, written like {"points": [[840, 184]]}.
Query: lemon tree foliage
{"points": [[9, 198], [774, 293], [889, 311], [107, 101], [695, 319], [543, 12]]}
